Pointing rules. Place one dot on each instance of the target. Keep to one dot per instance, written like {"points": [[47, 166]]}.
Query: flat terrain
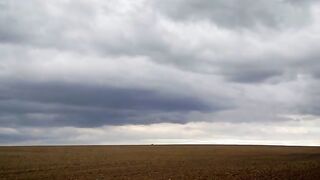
{"points": [[160, 162]]}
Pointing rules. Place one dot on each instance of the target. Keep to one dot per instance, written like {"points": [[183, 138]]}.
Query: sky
{"points": [[159, 72]]}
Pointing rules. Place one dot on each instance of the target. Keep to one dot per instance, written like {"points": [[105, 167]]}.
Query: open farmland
{"points": [[160, 162]]}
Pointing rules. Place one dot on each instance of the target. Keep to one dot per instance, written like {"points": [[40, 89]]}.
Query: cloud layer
{"points": [[94, 65]]}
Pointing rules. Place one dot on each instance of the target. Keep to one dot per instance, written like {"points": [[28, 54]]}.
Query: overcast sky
{"points": [[159, 71]]}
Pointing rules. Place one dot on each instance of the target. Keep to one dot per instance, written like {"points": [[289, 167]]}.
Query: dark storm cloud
{"points": [[73, 94], [10, 138], [239, 13], [61, 104]]}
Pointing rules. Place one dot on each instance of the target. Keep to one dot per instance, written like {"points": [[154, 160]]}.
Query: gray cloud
{"points": [[7, 139], [243, 14], [309, 105], [61, 104], [251, 72], [128, 34], [116, 63]]}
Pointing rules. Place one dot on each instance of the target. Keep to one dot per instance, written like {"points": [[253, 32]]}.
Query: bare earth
{"points": [[160, 162]]}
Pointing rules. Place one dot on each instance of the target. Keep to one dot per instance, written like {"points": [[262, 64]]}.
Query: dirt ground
{"points": [[160, 162]]}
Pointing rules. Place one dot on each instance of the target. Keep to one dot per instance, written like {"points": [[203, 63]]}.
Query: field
{"points": [[160, 162]]}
